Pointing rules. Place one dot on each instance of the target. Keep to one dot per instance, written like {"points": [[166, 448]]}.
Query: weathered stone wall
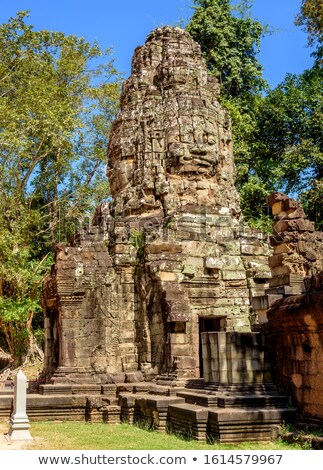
{"points": [[297, 256], [171, 255], [295, 297], [298, 247], [295, 337]]}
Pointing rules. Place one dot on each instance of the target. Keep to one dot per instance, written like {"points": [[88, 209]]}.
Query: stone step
{"points": [[252, 401], [127, 405], [63, 407], [55, 389], [152, 410], [245, 424], [163, 390], [195, 384], [245, 388], [61, 379], [130, 387], [124, 387], [188, 420], [226, 424], [6, 392], [70, 389], [201, 399], [166, 380], [141, 387], [216, 399], [6, 407]]}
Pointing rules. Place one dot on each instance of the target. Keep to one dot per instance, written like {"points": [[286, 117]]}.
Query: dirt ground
{"points": [[7, 445]]}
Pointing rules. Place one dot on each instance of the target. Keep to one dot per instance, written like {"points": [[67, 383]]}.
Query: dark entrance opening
{"points": [[209, 324]]}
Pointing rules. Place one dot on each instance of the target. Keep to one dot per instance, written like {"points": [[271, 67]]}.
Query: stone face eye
{"points": [[211, 139], [176, 150]]}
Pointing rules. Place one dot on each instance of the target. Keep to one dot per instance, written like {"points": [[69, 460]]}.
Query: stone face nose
{"points": [[198, 149]]}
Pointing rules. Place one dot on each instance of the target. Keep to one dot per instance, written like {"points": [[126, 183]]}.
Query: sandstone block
{"points": [[295, 225], [277, 260], [132, 377], [154, 248], [168, 276], [254, 250], [265, 301], [213, 263], [283, 248], [231, 275]]}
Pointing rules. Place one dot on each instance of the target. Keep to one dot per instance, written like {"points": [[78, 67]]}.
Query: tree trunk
{"points": [[34, 355]]}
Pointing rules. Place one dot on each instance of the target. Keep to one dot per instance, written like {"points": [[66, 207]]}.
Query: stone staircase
{"points": [[201, 411], [225, 413]]}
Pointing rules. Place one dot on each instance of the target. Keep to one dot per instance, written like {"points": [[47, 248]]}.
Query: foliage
{"points": [[312, 201], [290, 123], [138, 241], [58, 94], [230, 44], [311, 18]]}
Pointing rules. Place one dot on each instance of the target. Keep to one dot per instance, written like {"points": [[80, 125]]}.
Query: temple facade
{"points": [[170, 257]]}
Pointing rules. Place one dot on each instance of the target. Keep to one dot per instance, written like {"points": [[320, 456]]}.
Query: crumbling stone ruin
{"points": [[170, 256], [148, 311], [293, 307], [298, 252]]}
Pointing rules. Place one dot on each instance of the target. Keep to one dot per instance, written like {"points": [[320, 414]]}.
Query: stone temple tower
{"points": [[170, 257]]}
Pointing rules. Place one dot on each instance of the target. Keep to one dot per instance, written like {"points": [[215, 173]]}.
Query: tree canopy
{"points": [[59, 95], [230, 40], [310, 18]]}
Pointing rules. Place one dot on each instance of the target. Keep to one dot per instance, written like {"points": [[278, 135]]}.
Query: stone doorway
{"points": [[207, 324]]}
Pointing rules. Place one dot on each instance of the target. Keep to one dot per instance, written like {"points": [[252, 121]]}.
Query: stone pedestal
{"points": [[234, 358], [19, 422]]}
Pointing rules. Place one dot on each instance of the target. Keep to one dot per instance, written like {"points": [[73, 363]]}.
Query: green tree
{"points": [[230, 40], [288, 150], [310, 18], [290, 124], [59, 95]]}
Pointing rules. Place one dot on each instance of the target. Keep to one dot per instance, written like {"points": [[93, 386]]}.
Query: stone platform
{"points": [[211, 411], [201, 411], [64, 407], [233, 413]]}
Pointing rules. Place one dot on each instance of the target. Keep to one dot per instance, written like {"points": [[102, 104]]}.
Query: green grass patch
{"points": [[100, 436]]}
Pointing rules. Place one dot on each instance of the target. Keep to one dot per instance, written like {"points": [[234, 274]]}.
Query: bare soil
{"points": [[5, 444]]}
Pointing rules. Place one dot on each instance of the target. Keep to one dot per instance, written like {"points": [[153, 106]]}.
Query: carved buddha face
{"points": [[192, 148]]}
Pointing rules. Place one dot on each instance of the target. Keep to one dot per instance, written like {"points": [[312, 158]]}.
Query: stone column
{"points": [[19, 422]]}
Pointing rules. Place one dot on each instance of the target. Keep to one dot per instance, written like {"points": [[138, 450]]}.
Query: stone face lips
{"points": [[170, 256]]}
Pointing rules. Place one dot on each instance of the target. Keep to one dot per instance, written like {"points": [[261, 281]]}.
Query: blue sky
{"points": [[124, 25]]}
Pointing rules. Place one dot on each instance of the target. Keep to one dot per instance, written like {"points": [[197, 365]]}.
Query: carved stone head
{"points": [[171, 122]]}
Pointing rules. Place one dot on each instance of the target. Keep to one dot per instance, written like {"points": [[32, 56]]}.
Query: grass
{"points": [[99, 436]]}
